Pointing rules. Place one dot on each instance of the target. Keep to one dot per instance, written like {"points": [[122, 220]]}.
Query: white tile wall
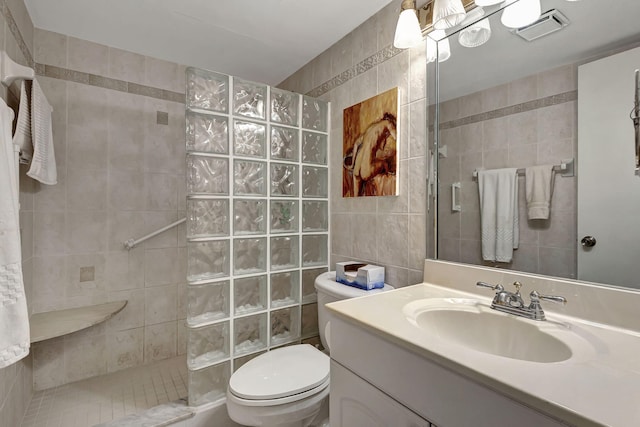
{"points": [[386, 230], [120, 177]]}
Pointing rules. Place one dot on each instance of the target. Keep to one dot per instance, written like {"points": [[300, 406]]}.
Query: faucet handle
{"points": [[536, 297], [518, 285], [498, 288]]}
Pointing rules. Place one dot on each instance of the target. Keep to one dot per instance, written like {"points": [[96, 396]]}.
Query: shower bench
{"points": [[52, 324]]}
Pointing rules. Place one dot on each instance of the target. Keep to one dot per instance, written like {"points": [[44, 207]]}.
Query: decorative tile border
{"points": [[15, 31], [360, 68], [513, 109], [108, 83]]}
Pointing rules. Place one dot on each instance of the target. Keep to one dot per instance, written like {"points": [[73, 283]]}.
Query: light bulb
{"points": [[408, 32], [447, 13], [521, 13]]}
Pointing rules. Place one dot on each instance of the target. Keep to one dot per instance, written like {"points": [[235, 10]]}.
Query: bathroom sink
{"points": [[474, 325]]}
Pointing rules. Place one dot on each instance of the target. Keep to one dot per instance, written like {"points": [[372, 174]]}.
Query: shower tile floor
{"points": [[108, 397]]}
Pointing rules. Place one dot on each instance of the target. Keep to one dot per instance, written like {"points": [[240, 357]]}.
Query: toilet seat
{"points": [[281, 400], [281, 376]]}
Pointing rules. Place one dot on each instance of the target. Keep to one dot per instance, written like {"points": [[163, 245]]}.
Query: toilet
{"points": [[289, 386]]}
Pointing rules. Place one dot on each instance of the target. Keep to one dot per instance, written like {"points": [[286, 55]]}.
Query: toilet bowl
{"points": [[283, 387], [289, 386]]}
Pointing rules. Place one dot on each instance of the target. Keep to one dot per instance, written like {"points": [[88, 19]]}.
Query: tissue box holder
{"points": [[359, 275]]}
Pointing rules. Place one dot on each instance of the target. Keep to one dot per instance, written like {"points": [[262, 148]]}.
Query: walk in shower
{"points": [[257, 222]]}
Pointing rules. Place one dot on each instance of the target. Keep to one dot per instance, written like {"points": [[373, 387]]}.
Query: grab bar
{"points": [[131, 243]]}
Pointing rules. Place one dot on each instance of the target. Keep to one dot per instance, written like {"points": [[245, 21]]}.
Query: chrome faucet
{"points": [[512, 302]]}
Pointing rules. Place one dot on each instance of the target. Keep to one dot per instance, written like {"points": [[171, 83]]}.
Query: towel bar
{"points": [[11, 70], [565, 168]]}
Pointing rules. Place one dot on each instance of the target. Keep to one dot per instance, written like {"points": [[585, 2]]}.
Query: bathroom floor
{"points": [[108, 397]]}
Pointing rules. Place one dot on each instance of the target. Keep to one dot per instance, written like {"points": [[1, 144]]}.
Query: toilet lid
{"points": [[280, 373]]}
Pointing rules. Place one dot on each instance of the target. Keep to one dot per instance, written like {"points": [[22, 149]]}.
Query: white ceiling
{"points": [[260, 40]]}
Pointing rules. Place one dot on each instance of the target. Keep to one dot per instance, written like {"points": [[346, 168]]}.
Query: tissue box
{"points": [[359, 275]]}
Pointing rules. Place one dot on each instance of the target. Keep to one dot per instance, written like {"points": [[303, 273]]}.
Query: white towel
{"points": [[538, 190], [14, 319], [499, 213], [22, 135], [43, 164]]}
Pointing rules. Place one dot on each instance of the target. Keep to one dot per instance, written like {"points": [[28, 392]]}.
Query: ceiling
{"points": [[595, 28], [259, 40]]}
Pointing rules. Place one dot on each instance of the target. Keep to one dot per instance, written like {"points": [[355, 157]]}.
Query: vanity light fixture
{"points": [[447, 13], [408, 33], [520, 13]]}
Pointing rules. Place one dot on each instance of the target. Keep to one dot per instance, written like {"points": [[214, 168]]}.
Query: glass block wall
{"points": [[257, 222]]}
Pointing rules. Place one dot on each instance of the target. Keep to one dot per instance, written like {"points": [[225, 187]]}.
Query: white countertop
{"points": [[597, 387]]}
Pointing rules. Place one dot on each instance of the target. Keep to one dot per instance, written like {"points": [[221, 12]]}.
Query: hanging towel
{"points": [[43, 164], [22, 135], [14, 320], [538, 190], [499, 213]]}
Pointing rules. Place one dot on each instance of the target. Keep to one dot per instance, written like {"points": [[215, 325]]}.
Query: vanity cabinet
{"points": [[356, 403], [377, 382]]}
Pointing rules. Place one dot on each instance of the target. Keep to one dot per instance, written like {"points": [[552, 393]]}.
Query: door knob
{"points": [[588, 241]]}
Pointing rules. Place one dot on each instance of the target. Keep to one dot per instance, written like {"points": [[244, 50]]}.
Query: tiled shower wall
{"points": [[257, 223], [16, 381], [118, 125], [526, 122], [389, 231]]}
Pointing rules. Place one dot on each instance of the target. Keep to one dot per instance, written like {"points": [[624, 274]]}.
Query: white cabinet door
{"points": [[356, 403]]}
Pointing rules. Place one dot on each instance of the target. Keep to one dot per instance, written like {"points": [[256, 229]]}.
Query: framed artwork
{"points": [[369, 153]]}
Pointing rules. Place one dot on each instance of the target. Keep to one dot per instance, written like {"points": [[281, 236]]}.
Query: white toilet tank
{"points": [[329, 291]]}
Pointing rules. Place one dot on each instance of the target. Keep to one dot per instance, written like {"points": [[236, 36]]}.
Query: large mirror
{"points": [[560, 92]]}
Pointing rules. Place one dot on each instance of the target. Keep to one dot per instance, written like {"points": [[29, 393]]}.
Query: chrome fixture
{"points": [[512, 302], [588, 241]]}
